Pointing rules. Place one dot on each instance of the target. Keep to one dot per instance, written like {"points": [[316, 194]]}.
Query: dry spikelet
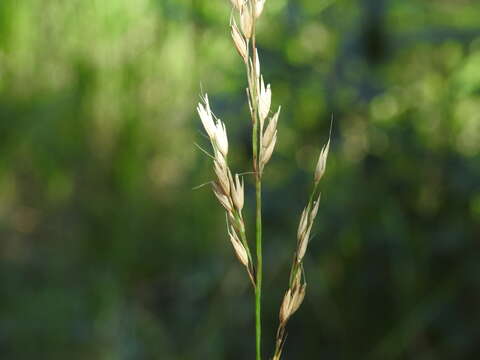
{"points": [[239, 41], [221, 139], [237, 192], [271, 128], [238, 247], [222, 176], [302, 227], [264, 101], [246, 20], [298, 298], [259, 7], [222, 198], [206, 117], [322, 163], [313, 213], [286, 307], [266, 153], [303, 243]]}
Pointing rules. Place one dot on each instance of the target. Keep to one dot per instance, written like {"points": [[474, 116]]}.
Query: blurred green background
{"points": [[106, 252]]}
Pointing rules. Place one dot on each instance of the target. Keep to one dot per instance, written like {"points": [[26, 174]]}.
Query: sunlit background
{"points": [[106, 252]]}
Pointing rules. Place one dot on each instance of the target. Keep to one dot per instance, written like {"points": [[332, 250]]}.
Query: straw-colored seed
{"points": [[264, 101], [222, 198], [222, 176], [286, 306], [271, 128], [238, 247], [298, 298], [246, 21], [302, 227], [239, 41], [313, 213], [221, 139], [259, 7], [237, 192], [206, 117], [266, 154], [322, 162]]}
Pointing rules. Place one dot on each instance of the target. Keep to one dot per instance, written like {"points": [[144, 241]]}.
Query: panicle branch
{"points": [[228, 190], [295, 293]]}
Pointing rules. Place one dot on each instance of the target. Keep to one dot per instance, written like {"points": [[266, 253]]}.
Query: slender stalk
{"points": [[258, 289]]}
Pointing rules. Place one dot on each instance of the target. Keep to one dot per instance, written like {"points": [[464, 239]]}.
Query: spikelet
{"points": [[206, 117], [246, 20], [271, 128], [322, 163], [222, 176], [259, 8], [313, 213], [286, 307], [238, 247], [221, 196], [264, 101], [237, 192], [221, 139], [302, 227], [240, 43]]}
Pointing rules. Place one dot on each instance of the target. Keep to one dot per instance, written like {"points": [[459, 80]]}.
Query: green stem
{"points": [[258, 289]]}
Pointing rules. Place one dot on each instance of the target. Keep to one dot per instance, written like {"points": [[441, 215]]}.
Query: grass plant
{"points": [[229, 188]]}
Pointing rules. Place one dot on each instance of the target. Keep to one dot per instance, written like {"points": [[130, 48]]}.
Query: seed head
{"points": [[322, 163]]}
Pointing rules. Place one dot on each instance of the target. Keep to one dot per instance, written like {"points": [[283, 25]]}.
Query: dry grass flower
{"points": [[229, 189]]}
